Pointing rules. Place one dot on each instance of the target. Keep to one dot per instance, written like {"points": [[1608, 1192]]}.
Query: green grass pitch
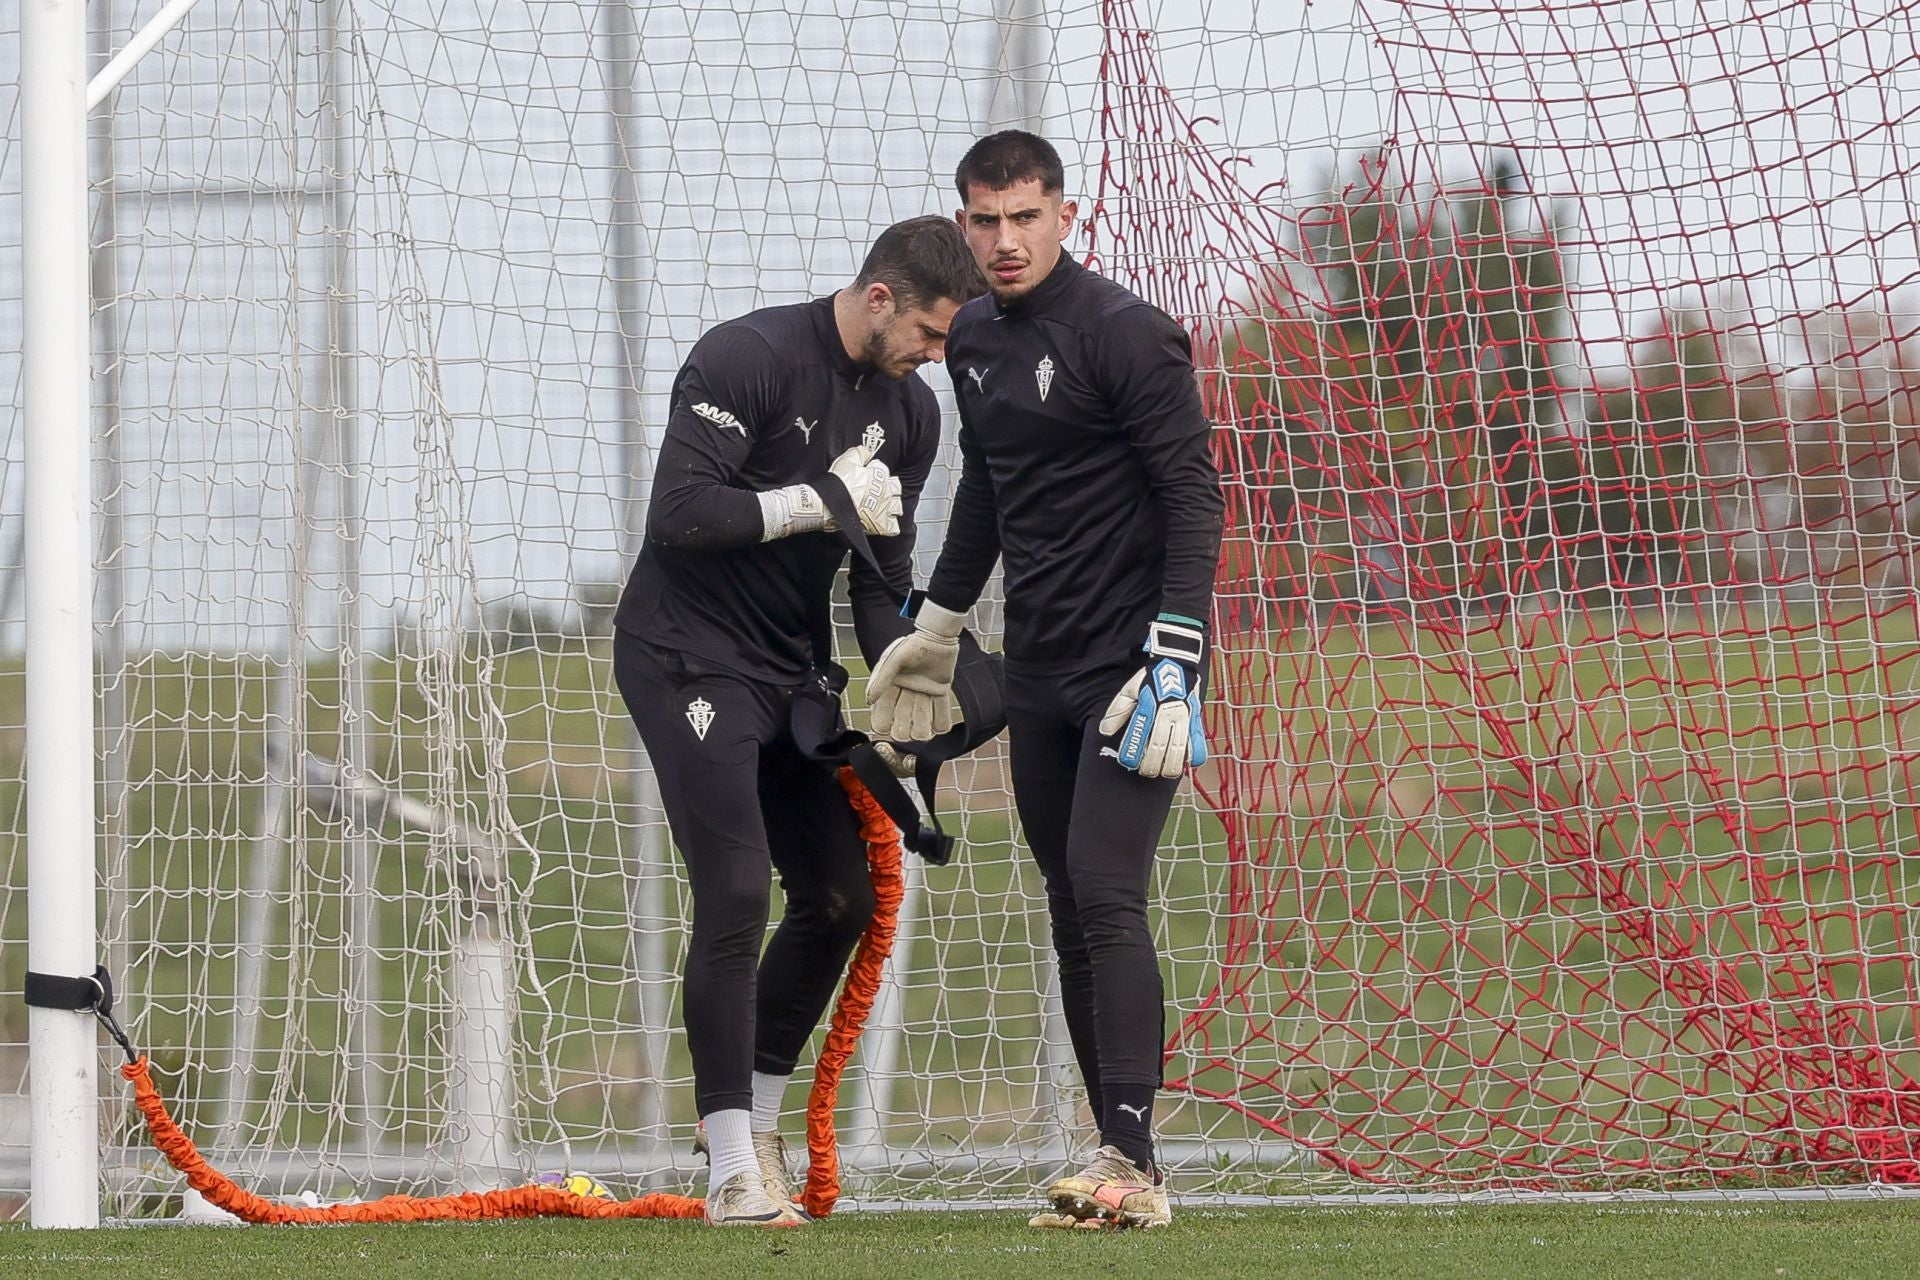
{"points": [[1860, 1241], [1815, 694]]}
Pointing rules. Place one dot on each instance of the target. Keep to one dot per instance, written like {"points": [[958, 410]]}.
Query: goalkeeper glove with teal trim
{"points": [[1157, 712]]}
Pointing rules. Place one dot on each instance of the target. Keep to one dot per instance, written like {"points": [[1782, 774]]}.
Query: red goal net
{"points": [[1568, 697]]}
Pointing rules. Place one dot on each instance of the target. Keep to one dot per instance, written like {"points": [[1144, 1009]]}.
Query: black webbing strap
{"points": [[839, 504], [49, 991], [822, 736], [928, 839], [829, 743], [92, 994]]}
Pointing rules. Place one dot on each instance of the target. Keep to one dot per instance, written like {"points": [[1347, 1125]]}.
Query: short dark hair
{"points": [[923, 260], [1008, 158]]}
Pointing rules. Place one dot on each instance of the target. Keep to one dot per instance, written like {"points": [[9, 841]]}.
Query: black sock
{"points": [[1128, 1122], [1096, 1106]]}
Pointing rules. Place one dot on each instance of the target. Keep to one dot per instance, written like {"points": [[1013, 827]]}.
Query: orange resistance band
{"points": [[856, 997], [823, 1173]]}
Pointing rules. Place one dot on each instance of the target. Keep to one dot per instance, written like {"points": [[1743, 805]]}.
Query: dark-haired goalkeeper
{"points": [[1085, 469], [716, 637]]}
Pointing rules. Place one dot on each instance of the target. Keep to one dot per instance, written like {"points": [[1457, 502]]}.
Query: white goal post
{"points": [[56, 351]]}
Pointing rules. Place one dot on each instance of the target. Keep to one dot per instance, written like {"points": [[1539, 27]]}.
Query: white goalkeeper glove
{"points": [[797, 508], [794, 509], [902, 763], [1157, 711], [910, 693], [875, 490]]}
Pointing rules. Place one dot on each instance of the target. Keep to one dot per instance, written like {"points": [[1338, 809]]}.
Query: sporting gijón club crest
{"points": [[700, 716], [1043, 375]]}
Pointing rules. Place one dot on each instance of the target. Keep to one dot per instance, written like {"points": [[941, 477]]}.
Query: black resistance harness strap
{"points": [[823, 736], [92, 994]]}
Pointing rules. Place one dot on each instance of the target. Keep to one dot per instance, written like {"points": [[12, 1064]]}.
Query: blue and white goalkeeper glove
{"points": [[1157, 712]]}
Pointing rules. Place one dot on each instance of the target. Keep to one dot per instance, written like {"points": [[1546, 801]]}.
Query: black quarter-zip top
{"points": [[1085, 466], [765, 401]]}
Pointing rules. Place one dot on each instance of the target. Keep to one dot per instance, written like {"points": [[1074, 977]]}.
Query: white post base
{"points": [[62, 1059]]}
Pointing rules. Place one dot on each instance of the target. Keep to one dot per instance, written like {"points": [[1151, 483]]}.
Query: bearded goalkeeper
{"points": [[1086, 469], [723, 633]]}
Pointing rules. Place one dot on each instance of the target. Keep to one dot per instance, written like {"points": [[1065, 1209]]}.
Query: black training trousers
{"points": [[1094, 828], [741, 801]]}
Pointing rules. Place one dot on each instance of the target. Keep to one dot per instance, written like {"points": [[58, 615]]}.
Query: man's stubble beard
{"points": [[880, 356]]}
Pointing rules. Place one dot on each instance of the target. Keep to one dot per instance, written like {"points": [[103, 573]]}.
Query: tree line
{"points": [[1421, 426]]}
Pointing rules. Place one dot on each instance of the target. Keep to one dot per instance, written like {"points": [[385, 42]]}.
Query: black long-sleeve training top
{"points": [[765, 401], [1084, 463]]}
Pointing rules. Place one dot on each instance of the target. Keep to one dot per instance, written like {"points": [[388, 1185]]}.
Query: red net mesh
{"points": [[1566, 702]]}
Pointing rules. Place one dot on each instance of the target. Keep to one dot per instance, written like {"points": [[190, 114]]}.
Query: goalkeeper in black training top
{"points": [[718, 637], [1085, 468]]}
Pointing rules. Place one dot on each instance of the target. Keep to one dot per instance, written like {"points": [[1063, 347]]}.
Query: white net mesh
{"points": [[390, 297]]}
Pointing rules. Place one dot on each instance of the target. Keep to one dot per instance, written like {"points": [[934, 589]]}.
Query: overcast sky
{"points": [[1755, 153]]}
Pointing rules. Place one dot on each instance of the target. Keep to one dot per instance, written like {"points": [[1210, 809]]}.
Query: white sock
{"points": [[729, 1146], [768, 1093]]}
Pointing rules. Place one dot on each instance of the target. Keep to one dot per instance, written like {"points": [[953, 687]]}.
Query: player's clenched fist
{"points": [[875, 490]]}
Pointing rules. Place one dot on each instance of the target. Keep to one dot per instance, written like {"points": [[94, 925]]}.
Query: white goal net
{"points": [[1566, 396]]}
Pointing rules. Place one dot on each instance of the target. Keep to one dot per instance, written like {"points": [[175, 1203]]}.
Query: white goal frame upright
{"points": [[56, 96], [62, 879]]}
